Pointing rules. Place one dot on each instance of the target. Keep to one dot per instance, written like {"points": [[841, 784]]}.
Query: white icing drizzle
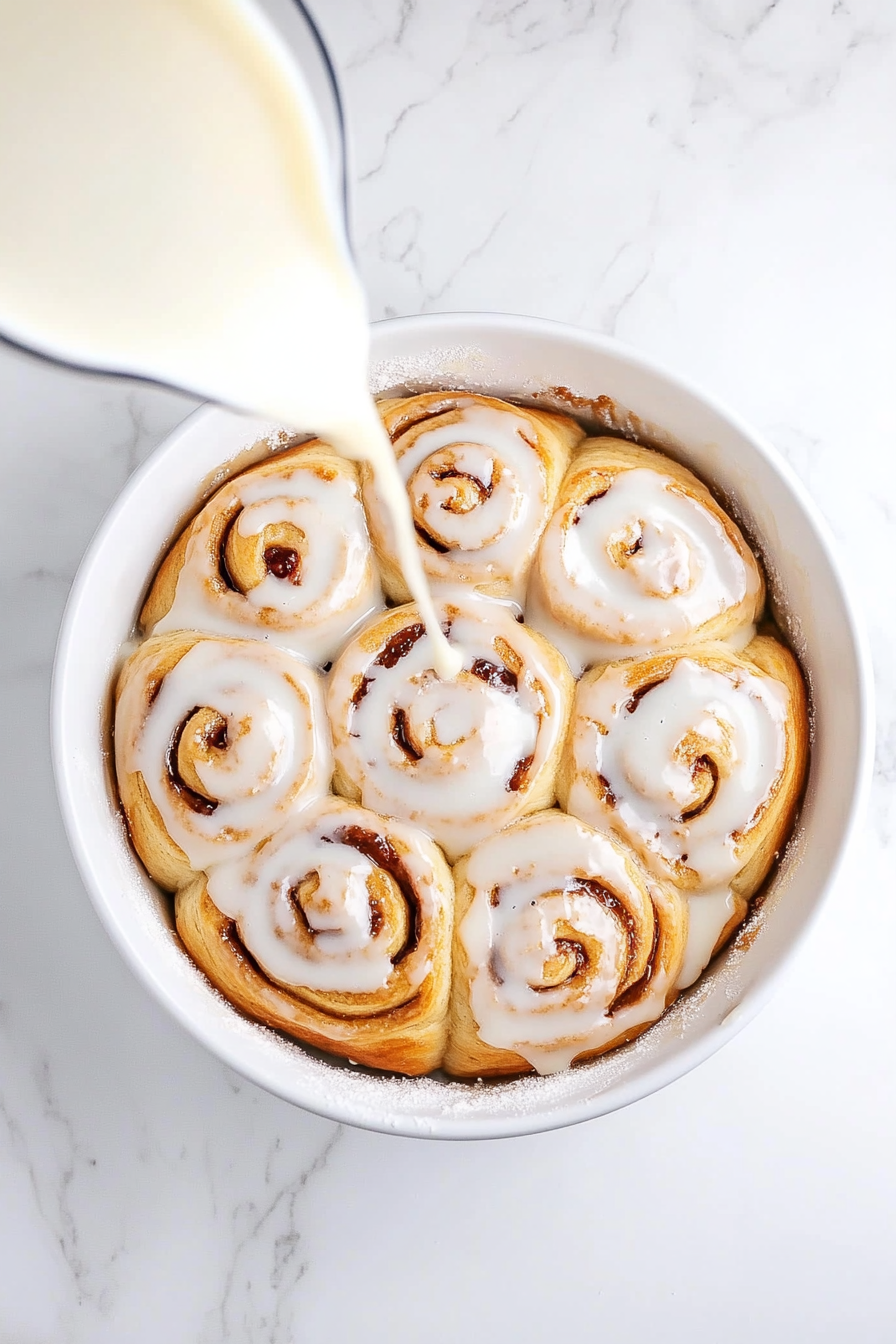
{"points": [[649, 752], [708, 914], [640, 568], [490, 504], [363, 436], [338, 586], [525, 896], [470, 736], [335, 948], [276, 756]]}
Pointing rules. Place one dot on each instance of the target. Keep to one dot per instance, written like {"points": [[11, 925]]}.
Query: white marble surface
{"points": [[713, 181]]}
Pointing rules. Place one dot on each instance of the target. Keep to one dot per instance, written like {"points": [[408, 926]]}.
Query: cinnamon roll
{"points": [[637, 557], [696, 758], [457, 758], [217, 741], [482, 476], [336, 930], [564, 948], [279, 553]]}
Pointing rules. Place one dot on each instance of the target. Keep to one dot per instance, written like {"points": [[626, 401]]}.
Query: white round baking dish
{"points": [[529, 359]]}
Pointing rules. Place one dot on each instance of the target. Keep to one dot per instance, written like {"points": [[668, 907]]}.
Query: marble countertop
{"points": [[713, 182]]}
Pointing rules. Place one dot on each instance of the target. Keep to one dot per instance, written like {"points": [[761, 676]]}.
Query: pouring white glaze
{"points": [[164, 211]]}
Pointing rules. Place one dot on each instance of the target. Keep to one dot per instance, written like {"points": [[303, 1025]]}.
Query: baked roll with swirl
{"points": [[263, 559], [697, 759], [457, 758], [564, 948], [638, 557], [338, 931], [482, 476], [217, 741]]}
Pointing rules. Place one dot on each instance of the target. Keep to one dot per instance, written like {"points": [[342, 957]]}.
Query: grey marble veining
{"points": [[713, 182]]}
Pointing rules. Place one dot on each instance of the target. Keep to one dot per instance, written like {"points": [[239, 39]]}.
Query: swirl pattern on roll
{"points": [[337, 930], [638, 557], [695, 757], [564, 948], [263, 560], [216, 742], [457, 758], [482, 476]]}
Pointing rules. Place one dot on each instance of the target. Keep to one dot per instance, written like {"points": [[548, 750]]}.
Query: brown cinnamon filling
{"points": [[639, 694], [607, 794], [495, 675], [420, 416], [310, 882], [391, 654], [638, 989], [566, 948], [430, 540], [294, 897], [703, 765], [592, 499], [481, 491], [217, 738], [222, 556], [400, 735], [399, 644], [196, 802], [589, 886], [463, 501], [284, 563], [520, 776], [573, 951], [380, 851]]}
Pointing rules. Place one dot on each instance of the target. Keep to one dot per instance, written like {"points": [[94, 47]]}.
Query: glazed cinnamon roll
{"points": [[457, 758], [482, 476], [638, 557], [279, 553], [217, 741], [564, 948], [336, 930], [697, 759]]}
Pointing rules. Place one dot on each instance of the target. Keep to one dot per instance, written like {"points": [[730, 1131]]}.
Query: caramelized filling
{"points": [[400, 735], [638, 695], [495, 675], [218, 737], [284, 563], [459, 504], [420, 416], [589, 886], [226, 576], [310, 882], [704, 765], [196, 802], [380, 851], [592, 499], [399, 644], [430, 540], [566, 948], [391, 654], [520, 776], [639, 988]]}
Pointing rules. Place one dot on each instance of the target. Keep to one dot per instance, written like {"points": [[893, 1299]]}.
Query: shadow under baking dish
{"points": [[614, 391]]}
